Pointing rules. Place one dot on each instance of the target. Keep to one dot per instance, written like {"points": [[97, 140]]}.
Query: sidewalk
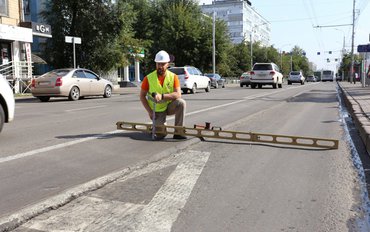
{"points": [[357, 101]]}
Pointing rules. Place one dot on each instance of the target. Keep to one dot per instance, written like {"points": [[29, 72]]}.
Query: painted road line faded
{"points": [[92, 213], [86, 108]]}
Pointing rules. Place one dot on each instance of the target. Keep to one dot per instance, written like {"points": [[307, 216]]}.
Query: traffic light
{"points": [[318, 53], [328, 60], [330, 52]]}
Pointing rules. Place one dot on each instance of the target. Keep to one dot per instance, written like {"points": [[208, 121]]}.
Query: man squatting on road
{"points": [[167, 89]]}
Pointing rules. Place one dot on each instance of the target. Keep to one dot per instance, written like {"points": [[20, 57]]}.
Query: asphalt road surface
{"points": [[216, 185]]}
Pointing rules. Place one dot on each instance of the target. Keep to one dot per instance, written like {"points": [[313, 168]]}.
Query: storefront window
{"points": [[4, 7]]}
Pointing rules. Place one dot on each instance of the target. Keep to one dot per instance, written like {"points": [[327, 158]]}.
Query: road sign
{"points": [[73, 40], [70, 39], [363, 48]]}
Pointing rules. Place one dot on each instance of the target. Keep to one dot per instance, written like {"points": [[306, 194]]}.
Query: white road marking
{"points": [[85, 108], [166, 205], [53, 147], [94, 213]]}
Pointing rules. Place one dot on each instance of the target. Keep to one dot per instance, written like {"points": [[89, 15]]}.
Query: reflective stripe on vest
{"points": [[156, 87]]}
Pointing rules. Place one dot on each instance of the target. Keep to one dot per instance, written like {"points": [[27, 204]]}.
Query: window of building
{"points": [[4, 7]]}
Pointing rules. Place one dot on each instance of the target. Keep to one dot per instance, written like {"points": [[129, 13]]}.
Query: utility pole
{"points": [[353, 42], [214, 43], [251, 43]]}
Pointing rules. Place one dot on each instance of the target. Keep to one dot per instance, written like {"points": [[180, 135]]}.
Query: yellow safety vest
{"points": [[156, 87]]}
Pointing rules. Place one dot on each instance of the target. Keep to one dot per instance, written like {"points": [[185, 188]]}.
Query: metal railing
{"points": [[18, 74]]}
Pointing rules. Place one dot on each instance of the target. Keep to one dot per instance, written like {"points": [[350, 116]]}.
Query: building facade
{"points": [[15, 42], [243, 21]]}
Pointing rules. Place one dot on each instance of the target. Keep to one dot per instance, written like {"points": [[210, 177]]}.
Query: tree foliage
{"points": [[112, 32], [98, 23]]}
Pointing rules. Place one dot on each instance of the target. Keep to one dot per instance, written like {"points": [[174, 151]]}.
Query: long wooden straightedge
{"points": [[233, 135]]}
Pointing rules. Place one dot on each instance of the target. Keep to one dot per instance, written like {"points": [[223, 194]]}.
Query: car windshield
{"points": [[177, 71], [295, 73], [57, 72], [209, 75], [262, 67]]}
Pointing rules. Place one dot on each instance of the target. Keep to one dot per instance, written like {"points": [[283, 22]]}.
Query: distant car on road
{"points": [[191, 79], [266, 74], [245, 79], [339, 78], [216, 80], [296, 77], [71, 83], [7, 102], [311, 78]]}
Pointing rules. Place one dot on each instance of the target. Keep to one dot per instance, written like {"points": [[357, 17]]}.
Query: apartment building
{"points": [[18, 32], [243, 21], [13, 38]]}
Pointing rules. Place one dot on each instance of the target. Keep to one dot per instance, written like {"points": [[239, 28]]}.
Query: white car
{"points": [[7, 102], [296, 77], [191, 79], [266, 74]]}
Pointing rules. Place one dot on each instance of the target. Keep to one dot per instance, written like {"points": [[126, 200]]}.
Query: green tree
{"points": [[345, 65], [99, 24]]}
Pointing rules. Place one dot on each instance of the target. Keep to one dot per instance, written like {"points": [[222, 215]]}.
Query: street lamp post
{"points": [[213, 40], [353, 43], [251, 40], [214, 43], [251, 43], [281, 55]]}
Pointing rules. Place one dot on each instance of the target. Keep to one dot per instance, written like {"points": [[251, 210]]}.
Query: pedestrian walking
{"points": [[161, 88]]}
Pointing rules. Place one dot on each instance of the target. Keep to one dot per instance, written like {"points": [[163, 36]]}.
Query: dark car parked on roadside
{"points": [[216, 80], [245, 79]]}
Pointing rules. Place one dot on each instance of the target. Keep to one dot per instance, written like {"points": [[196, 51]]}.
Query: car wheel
{"points": [[280, 85], [253, 86], [216, 86], [274, 85], [208, 87], [108, 91], [194, 89], [260, 86], [223, 85], [2, 117], [241, 85], [74, 95], [302, 82], [289, 83], [44, 99]]}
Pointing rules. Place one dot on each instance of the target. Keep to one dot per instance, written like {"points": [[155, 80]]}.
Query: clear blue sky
{"points": [[293, 23]]}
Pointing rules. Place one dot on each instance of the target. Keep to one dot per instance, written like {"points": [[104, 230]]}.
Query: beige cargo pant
{"points": [[177, 108]]}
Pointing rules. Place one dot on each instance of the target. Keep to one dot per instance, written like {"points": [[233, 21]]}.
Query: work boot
{"points": [[179, 137], [159, 137]]}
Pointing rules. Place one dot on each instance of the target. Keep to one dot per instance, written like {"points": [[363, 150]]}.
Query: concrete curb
{"points": [[361, 120]]}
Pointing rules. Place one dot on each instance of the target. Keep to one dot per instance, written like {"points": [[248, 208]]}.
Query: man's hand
{"points": [[157, 97]]}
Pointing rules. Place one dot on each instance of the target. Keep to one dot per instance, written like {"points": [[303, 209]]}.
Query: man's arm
{"points": [[144, 101], [174, 95]]}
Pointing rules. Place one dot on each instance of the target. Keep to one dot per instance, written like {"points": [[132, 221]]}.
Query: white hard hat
{"points": [[162, 57]]}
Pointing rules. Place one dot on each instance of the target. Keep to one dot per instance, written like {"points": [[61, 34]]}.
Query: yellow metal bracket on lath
{"points": [[232, 135]]}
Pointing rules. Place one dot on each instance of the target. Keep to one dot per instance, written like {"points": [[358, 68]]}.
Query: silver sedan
{"points": [[71, 83]]}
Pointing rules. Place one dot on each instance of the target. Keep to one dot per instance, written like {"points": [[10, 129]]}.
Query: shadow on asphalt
{"points": [[269, 145]]}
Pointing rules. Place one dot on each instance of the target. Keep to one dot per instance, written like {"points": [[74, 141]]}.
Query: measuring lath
{"points": [[218, 133]]}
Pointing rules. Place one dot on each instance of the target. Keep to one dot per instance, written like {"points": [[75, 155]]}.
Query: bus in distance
{"points": [[327, 75]]}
